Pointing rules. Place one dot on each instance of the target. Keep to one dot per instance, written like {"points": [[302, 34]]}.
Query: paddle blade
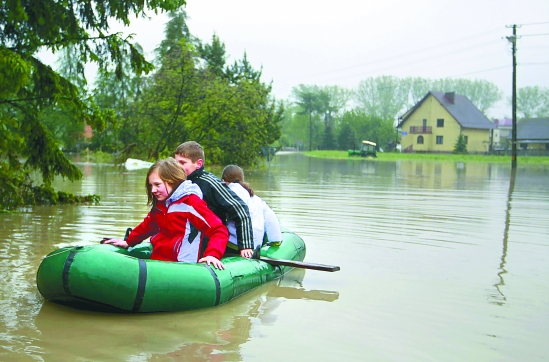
{"points": [[300, 264]]}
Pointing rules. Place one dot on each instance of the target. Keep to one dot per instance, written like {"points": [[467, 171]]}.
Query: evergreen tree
{"points": [[28, 87], [214, 56], [176, 29], [460, 146], [346, 138]]}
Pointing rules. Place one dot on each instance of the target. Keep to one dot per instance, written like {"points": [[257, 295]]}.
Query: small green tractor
{"points": [[367, 149]]}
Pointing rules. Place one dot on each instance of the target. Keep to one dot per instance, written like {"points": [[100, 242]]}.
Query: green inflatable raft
{"points": [[104, 276]]}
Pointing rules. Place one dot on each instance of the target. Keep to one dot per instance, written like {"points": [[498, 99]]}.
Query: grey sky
{"points": [[342, 42]]}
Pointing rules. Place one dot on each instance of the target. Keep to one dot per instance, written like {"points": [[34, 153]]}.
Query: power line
{"points": [[406, 61], [540, 63], [546, 22], [404, 58], [543, 34], [481, 71], [403, 54]]}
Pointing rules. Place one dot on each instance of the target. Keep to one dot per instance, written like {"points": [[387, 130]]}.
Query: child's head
{"points": [[233, 173], [163, 177], [190, 156]]}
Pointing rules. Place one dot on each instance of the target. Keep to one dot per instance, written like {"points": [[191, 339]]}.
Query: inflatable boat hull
{"points": [[110, 277]]}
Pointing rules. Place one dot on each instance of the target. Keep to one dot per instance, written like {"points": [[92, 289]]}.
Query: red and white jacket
{"points": [[177, 228]]}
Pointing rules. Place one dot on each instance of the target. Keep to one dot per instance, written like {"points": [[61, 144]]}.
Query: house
{"points": [[502, 133], [435, 123], [533, 134]]}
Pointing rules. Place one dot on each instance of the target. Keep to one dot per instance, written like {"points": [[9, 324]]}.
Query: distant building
{"points": [[533, 134], [435, 123], [502, 133]]}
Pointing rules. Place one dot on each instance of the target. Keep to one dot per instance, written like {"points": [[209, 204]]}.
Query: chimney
{"points": [[450, 96]]}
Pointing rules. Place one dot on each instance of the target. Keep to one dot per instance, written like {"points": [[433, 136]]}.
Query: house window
{"points": [[466, 138], [424, 123], [440, 122], [439, 140], [419, 140]]}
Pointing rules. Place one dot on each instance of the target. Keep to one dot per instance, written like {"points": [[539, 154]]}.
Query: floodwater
{"points": [[439, 262]]}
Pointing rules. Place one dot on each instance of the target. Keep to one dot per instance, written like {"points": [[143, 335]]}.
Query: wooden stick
{"points": [[299, 264]]}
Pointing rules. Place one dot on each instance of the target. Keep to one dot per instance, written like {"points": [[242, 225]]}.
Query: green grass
{"points": [[444, 157]]}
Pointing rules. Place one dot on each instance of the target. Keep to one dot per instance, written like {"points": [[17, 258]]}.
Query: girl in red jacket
{"points": [[179, 220]]}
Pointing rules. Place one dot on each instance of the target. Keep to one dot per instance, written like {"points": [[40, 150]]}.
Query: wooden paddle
{"points": [[300, 264]]}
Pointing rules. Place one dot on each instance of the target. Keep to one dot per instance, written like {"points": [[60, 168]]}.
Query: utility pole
{"points": [[310, 130], [513, 40]]}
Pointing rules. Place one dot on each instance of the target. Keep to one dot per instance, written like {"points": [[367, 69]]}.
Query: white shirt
{"points": [[264, 219]]}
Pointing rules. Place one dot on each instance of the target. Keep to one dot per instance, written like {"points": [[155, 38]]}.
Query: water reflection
{"points": [[212, 334], [500, 299]]}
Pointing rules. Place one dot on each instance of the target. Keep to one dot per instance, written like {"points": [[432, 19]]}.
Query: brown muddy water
{"points": [[439, 262]]}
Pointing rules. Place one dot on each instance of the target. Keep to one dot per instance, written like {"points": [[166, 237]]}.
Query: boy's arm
{"points": [[237, 211]]}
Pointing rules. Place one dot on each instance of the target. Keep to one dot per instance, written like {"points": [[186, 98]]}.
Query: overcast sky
{"points": [[342, 42]]}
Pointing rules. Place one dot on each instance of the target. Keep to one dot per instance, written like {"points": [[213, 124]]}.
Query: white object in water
{"points": [[135, 164]]}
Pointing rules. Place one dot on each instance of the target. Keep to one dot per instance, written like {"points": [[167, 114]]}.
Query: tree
{"points": [[28, 87], [193, 95], [533, 102], [382, 97], [481, 93], [460, 146], [176, 28], [306, 98], [331, 100], [367, 127], [214, 55], [165, 112], [419, 87], [117, 94], [346, 138], [295, 128]]}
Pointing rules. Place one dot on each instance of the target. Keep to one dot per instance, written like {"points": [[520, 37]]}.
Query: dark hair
{"points": [[170, 172], [233, 173], [192, 150]]}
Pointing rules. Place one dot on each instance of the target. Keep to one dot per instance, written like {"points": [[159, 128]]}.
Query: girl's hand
{"points": [[246, 253], [117, 242], [213, 261]]}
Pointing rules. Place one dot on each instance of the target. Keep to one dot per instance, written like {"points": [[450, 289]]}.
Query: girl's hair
{"points": [[192, 150], [233, 173], [170, 172]]}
